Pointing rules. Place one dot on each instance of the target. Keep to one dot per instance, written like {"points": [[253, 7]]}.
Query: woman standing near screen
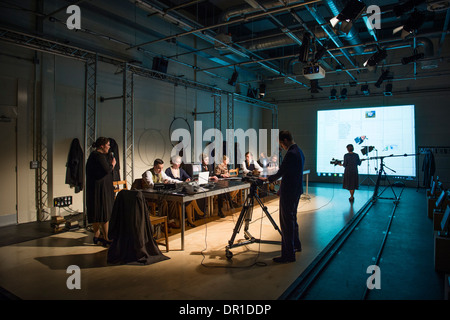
{"points": [[351, 178]]}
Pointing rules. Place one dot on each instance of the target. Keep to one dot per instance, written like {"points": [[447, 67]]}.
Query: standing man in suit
{"points": [[291, 188]]}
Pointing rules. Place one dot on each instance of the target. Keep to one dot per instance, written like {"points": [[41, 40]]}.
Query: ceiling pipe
{"points": [[146, 6], [336, 7], [243, 19]]}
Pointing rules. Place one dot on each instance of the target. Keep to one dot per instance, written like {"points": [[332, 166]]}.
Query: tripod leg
{"points": [[268, 214], [243, 215]]}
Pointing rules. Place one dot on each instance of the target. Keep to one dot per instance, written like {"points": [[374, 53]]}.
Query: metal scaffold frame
{"points": [[90, 112], [128, 124], [91, 60]]}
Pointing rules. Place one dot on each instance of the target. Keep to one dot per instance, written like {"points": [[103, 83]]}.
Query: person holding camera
{"points": [[291, 188]]}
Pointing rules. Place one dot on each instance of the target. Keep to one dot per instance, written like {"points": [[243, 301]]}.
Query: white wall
{"points": [[431, 122]]}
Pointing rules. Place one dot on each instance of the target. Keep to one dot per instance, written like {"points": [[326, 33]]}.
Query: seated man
{"points": [[156, 175], [175, 172], [249, 164]]}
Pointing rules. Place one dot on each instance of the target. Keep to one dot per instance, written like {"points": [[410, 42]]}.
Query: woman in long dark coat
{"points": [[351, 176], [99, 189]]}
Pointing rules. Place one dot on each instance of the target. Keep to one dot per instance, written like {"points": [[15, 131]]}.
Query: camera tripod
{"points": [[245, 217]]}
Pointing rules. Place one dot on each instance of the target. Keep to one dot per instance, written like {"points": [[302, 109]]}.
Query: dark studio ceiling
{"points": [[272, 41], [271, 34]]}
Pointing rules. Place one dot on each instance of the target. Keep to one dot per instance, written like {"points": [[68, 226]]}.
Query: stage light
{"points": [[414, 22], [412, 58], [233, 79], [388, 90], [383, 77], [376, 58], [262, 90], [314, 86], [333, 94], [407, 6], [365, 89], [366, 150], [351, 12], [319, 53], [304, 48], [343, 94], [252, 93]]}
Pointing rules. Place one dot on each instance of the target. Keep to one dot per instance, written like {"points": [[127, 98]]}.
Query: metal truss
{"points": [[128, 124], [218, 112], [90, 112], [91, 61]]}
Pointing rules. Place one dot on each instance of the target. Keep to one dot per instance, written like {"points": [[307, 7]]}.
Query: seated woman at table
{"points": [[175, 172], [222, 172], [221, 169]]}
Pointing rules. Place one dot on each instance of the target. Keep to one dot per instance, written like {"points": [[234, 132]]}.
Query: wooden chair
{"points": [[233, 172], [154, 219], [120, 185]]}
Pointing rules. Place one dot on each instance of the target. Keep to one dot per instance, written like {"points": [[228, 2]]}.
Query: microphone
{"points": [[112, 155]]}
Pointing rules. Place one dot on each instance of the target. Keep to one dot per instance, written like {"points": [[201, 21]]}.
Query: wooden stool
{"points": [[155, 220]]}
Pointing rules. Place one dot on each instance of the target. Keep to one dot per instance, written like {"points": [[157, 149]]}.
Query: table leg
{"points": [[182, 223]]}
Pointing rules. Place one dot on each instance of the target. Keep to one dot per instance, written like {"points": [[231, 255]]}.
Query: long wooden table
{"points": [[220, 187]]}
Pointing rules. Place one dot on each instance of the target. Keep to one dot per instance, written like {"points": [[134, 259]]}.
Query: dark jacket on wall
{"points": [[74, 166]]}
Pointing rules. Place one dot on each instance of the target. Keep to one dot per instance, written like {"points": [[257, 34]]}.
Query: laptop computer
{"points": [[203, 178]]}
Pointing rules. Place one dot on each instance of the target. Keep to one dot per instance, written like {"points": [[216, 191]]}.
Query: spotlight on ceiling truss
{"points": [[262, 90], [233, 79], [344, 20], [304, 48], [416, 56], [343, 94], [365, 89], [388, 90], [376, 58], [314, 86], [333, 94], [414, 22], [406, 6], [384, 76]]}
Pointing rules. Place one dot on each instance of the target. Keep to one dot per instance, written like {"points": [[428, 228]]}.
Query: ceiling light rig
{"points": [[415, 57], [388, 90], [365, 89], [351, 12], [384, 76], [375, 59], [414, 22]]}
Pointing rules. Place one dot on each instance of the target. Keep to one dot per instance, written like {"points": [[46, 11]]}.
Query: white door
{"points": [[8, 169]]}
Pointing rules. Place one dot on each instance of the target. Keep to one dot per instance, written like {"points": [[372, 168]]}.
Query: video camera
{"points": [[254, 180]]}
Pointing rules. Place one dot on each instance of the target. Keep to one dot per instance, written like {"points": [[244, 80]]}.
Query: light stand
{"points": [[389, 185], [245, 217], [365, 151]]}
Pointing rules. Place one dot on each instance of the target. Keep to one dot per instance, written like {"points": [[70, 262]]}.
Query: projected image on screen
{"points": [[374, 132]]}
